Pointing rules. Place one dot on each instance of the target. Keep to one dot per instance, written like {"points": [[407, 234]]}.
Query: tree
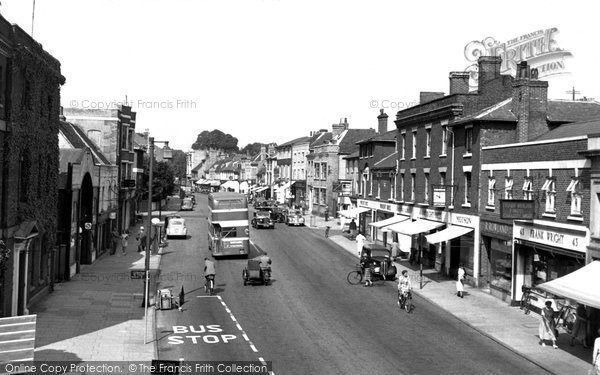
{"points": [[179, 162], [252, 148], [216, 139], [163, 180]]}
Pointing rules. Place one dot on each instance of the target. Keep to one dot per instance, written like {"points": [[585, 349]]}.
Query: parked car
{"points": [[176, 227], [379, 259], [187, 204], [294, 217], [262, 219]]}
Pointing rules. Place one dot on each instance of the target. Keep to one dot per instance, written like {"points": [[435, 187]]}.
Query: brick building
{"points": [[30, 80]]}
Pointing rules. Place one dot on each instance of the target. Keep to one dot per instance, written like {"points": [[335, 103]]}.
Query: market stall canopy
{"points": [[389, 221], [410, 228], [215, 183], [353, 212], [580, 285], [447, 234]]}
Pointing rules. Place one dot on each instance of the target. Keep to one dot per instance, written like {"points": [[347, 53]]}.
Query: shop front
{"points": [[544, 252], [497, 245], [378, 212]]}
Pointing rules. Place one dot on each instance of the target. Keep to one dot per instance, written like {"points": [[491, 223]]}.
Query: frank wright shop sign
{"points": [[572, 240]]}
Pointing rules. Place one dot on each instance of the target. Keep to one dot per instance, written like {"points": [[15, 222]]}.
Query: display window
{"points": [[501, 264]]}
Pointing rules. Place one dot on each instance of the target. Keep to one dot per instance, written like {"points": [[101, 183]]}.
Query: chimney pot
{"points": [[459, 82], [382, 121]]}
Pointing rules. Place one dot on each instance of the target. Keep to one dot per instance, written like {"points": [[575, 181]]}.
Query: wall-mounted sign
{"points": [[129, 183], [517, 209], [552, 236], [439, 197], [87, 226], [112, 215]]}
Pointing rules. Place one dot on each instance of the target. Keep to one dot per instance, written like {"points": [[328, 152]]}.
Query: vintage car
{"points": [[255, 273], [379, 259], [294, 217], [262, 219], [187, 204], [176, 227]]}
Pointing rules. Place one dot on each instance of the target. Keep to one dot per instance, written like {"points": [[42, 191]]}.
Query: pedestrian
{"points": [[326, 213], [141, 238], [365, 264], [395, 249], [547, 327], [352, 228], [124, 242], [360, 241], [596, 354], [580, 327], [116, 237], [460, 282]]}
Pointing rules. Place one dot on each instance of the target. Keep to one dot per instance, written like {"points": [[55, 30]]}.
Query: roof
{"points": [[320, 138], [293, 142], [197, 167], [78, 139], [572, 130], [572, 111], [389, 136], [353, 155], [69, 155], [348, 143], [387, 162], [140, 140]]}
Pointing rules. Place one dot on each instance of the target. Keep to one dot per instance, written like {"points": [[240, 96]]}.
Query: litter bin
{"points": [[164, 298]]}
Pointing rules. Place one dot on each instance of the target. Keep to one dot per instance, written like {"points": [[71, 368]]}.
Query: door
{"points": [[22, 292]]}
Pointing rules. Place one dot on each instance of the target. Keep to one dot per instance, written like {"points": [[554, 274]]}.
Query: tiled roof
{"points": [[389, 136], [320, 138], [348, 144], [572, 111], [572, 130], [79, 139], [293, 142], [387, 162]]}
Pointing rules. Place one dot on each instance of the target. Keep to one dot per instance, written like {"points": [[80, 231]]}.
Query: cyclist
{"points": [[209, 271], [404, 287]]}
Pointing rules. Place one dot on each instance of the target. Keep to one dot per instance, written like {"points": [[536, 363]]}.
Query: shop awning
{"points": [[215, 183], [410, 228], [389, 221], [580, 285], [346, 200], [262, 188], [353, 212], [447, 234]]}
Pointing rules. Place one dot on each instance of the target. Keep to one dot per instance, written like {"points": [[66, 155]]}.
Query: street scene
{"points": [[268, 187]]}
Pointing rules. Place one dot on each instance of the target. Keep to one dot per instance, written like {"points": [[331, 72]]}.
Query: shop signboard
{"points": [[567, 239], [517, 209]]}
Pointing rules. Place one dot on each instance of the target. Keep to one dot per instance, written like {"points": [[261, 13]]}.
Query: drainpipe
{"points": [[452, 173]]}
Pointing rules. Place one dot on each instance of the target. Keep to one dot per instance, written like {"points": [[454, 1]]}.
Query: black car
{"points": [[262, 219], [379, 259]]}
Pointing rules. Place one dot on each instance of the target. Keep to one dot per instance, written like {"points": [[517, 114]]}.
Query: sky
{"points": [[272, 71]]}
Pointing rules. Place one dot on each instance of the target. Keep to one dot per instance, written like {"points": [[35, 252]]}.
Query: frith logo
{"points": [[539, 48]]}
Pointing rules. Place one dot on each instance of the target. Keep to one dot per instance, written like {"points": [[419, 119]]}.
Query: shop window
{"points": [[576, 196], [550, 194], [508, 188], [501, 264], [527, 190], [491, 200], [546, 266]]}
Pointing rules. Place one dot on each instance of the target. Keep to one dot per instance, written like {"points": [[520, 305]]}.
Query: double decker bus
{"points": [[228, 224]]}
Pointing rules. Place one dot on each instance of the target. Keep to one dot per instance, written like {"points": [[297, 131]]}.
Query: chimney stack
{"points": [[529, 103], [338, 129], [459, 82], [489, 69], [382, 120]]}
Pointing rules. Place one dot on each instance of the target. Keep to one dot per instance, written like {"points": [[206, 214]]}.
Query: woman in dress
{"points": [[547, 325]]}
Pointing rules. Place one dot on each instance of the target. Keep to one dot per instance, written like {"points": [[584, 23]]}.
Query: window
{"points": [[508, 188], [549, 189], [412, 187], [428, 146], [426, 189], [402, 187], [414, 145], [23, 177], [576, 196], [468, 140], [324, 171], [444, 140], [442, 178], [403, 151], [317, 171], [316, 196], [527, 191], [491, 192], [124, 132], [467, 188]]}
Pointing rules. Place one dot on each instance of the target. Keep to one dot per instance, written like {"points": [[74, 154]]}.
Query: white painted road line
{"points": [[239, 326], [206, 296], [253, 348], [245, 337], [233, 318], [261, 359]]}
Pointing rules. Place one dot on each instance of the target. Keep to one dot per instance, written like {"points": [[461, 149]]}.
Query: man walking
{"points": [[360, 241], [141, 237], [116, 238], [352, 227]]}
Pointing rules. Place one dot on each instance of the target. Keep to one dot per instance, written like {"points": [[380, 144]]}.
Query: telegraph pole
{"points": [[149, 232]]}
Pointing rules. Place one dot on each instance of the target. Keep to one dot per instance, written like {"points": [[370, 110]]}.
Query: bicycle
{"points": [[327, 228], [405, 301], [525, 299], [355, 277], [209, 287]]}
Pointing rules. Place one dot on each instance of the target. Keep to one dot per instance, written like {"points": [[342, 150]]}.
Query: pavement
{"points": [[490, 316], [98, 314]]}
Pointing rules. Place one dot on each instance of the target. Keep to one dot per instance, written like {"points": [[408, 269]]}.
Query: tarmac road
{"points": [[310, 320]]}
